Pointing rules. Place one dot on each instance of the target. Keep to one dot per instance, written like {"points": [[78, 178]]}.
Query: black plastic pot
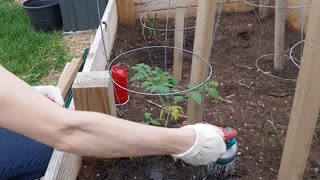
{"points": [[44, 15]]}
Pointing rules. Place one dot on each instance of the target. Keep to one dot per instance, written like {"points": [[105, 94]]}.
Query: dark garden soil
{"points": [[252, 101]]}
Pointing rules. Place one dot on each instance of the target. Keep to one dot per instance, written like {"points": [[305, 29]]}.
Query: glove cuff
{"points": [[208, 146]]}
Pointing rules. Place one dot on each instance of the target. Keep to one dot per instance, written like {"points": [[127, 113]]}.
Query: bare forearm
{"points": [[99, 135], [24, 110]]}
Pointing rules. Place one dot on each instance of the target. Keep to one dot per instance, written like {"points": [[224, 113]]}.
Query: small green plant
{"points": [[159, 82], [150, 120], [153, 24]]}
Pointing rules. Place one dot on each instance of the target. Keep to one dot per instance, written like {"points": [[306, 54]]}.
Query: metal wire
{"points": [[166, 38], [261, 27], [293, 59], [163, 94], [302, 28], [212, 48], [185, 23], [275, 7], [159, 29], [261, 32], [269, 74], [217, 24], [105, 53], [101, 24]]}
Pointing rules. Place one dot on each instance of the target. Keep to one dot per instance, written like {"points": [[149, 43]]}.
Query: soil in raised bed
{"points": [[252, 101]]}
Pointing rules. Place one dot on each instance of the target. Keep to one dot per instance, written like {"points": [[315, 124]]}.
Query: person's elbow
{"points": [[64, 133]]}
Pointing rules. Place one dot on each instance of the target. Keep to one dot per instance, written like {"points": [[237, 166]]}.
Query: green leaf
{"points": [[191, 85], [145, 84], [155, 122], [174, 81], [137, 77], [215, 84], [177, 99], [163, 90], [147, 115], [196, 96], [214, 93]]}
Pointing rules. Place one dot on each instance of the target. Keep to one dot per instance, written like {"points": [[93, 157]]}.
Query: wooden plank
{"points": [[93, 91], [202, 47], [126, 11], [65, 165], [263, 12], [280, 27], [148, 5], [98, 56], [161, 9], [179, 39], [305, 109], [68, 75], [294, 16]]}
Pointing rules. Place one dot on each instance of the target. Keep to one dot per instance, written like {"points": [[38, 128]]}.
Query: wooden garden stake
{"points": [[65, 165], [68, 75], [126, 13], [280, 26], [72, 163], [179, 38], [263, 12], [93, 91], [202, 47], [306, 105]]}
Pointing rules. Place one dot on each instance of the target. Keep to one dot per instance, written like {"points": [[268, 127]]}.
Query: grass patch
{"points": [[25, 52]]}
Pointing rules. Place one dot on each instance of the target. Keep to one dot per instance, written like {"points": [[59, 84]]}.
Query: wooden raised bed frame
{"points": [[304, 112]]}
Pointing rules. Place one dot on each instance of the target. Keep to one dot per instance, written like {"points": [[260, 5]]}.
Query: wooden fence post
{"points": [[179, 38], [70, 72], [126, 12], [305, 109], [279, 32], [202, 47], [263, 12], [93, 91]]}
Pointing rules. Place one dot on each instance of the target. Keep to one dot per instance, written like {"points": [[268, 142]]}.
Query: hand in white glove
{"points": [[51, 92], [208, 146]]}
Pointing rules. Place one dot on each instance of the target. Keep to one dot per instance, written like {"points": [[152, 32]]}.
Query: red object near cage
{"points": [[120, 76]]}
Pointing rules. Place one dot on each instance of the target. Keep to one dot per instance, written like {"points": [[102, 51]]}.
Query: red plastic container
{"points": [[120, 76]]}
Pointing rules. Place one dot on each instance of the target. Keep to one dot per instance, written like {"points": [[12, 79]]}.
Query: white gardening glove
{"points": [[208, 146], [51, 92]]}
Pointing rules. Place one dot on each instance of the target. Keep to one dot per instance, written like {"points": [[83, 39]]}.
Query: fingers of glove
{"points": [[229, 133], [208, 147], [51, 92]]}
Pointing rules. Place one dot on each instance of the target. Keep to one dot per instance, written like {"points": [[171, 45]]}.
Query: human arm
{"points": [[24, 110]]}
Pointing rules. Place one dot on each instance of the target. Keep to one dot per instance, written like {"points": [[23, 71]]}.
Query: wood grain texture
{"points": [[263, 12], [93, 91], [279, 35], [65, 165], [295, 17], [68, 75], [202, 47], [126, 13], [306, 105], [179, 38], [160, 7], [98, 56]]}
